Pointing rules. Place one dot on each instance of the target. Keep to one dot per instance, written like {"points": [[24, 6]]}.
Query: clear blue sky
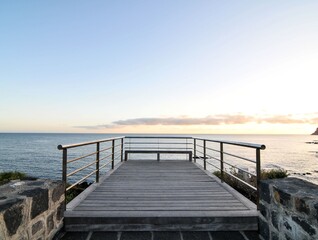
{"points": [[158, 66]]}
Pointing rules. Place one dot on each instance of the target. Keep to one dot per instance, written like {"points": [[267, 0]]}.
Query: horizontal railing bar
{"points": [[80, 169], [247, 184], [110, 155], [117, 145], [199, 152], [243, 158], [242, 144], [118, 151], [105, 164], [213, 165], [160, 137], [198, 145], [105, 149], [157, 143], [105, 157], [213, 158], [60, 147], [75, 159], [87, 176], [212, 149], [240, 169], [154, 148], [158, 151]]}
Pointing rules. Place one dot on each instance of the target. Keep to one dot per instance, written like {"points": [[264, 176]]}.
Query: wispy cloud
{"points": [[210, 120]]}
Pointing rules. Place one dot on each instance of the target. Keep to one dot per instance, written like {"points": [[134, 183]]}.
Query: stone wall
{"points": [[288, 209], [31, 209]]}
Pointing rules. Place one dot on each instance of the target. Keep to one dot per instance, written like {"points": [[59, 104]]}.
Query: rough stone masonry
{"points": [[288, 209], [31, 209]]}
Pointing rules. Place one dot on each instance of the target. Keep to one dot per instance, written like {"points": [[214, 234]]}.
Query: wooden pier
{"points": [[144, 195]]}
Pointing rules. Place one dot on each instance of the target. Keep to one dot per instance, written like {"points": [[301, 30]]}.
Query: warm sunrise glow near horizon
{"points": [[201, 67]]}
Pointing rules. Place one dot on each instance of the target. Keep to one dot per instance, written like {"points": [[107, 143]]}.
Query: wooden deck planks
{"points": [[152, 189]]}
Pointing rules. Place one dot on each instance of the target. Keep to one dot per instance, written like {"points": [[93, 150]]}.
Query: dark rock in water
{"points": [[316, 132]]}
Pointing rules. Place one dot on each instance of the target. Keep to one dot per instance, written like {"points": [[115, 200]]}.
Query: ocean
{"points": [[37, 155]]}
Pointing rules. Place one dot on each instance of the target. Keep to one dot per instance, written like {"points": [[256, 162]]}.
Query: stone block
{"points": [[60, 212], [263, 210], [287, 225], [264, 191], [316, 208], [4, 205], [263, 229], [274, 236], [288, 237], [275, 219], [13, 217], [282, 197], [36, 227], [49, 223], [25, 212], [305, 225], [40, 201], [301, 205], [57, 192]]}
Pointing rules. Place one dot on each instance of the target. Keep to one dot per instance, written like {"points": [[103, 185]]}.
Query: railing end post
{"points": [[113, 153], [97, 161]]}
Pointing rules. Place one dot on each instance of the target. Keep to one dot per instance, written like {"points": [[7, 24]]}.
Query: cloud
{"points": [[209, 120]]}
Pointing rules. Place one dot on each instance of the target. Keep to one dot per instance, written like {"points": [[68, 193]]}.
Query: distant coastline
{"points": [[316, 132]]}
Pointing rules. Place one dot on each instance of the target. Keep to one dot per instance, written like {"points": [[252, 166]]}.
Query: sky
{"points": [[232, 67]]}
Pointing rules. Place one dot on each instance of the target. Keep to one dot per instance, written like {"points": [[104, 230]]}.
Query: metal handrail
{"points": [[222, 153], [97, 160], [159, 148], [159, 137], [146, 143], [160, 143], [241, 144], [61, 147]]}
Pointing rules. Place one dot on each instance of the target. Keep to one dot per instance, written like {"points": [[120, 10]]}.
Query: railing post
{"points": [[204, 152], [122, 149], [190, 156], [221, 161], [113, 153], [64, 176], [97, 162], [258, 173], [195, 150]]}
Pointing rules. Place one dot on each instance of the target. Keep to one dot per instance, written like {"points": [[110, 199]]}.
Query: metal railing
{"points": [[111, 149], [208, 153], [216, 157]]}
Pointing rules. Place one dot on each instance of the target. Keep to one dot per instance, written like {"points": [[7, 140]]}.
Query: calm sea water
{"points": [[37, 154]]}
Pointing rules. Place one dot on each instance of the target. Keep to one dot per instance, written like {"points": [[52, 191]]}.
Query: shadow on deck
{"points": [[160, 196]]}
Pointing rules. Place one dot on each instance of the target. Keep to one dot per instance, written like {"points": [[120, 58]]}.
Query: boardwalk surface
{"points": [[165, 195]]}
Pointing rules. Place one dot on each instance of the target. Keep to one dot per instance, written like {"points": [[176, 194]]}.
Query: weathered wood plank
{"points": [[151, 194]]}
